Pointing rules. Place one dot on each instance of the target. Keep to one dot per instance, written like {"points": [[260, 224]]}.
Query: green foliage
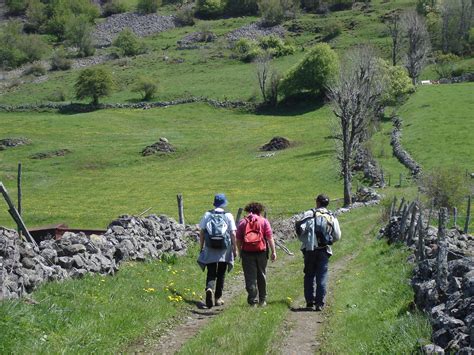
{"points": [[146, 87], [61, 12], [112, 7], [445, 64], [398, 83], [128, 43], [424, 7], [78, 33], [274, 12], [209, 9], [16, 7], [339, 5], [58, 95], [60, 60], [446, 186], [240, 7], [313, 73], [247, 50], [93, 83], [148, 6], [18, 48], [35, 70], [185, 15], [275, 46], [331, 29], [35, 15]]}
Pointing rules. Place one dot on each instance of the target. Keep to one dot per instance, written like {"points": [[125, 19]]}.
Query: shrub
{"points": [[146, 87], [60, 60], [209, 8], [148, 6], [36, 16], [185, 15], [398, 83], [113, 7], [313, 73], [445, 64], [16, 7], [33, 46], [340, 5], [275, 46], [93, 83], [241, 7], [247, 50], [58, 95], [274, 12], [445, 186], [35, 69], [331, 29], [128, 43]]}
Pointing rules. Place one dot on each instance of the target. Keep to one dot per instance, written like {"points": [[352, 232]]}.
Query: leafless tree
{"points": [[354, 96], [418, 44], [393, 24], [268, 80]]}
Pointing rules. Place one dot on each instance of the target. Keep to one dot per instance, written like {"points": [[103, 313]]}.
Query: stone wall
{"points": [[443, 278], [24, 266], [398, 151]]}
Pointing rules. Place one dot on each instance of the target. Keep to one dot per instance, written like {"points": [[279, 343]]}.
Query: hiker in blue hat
{"points": [[218, 248]]}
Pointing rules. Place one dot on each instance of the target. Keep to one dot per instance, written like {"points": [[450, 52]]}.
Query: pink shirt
{"points": [[264, 224]]}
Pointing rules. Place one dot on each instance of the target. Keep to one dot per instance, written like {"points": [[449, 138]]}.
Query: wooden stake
{"points": [[442, 258], [468, 215], [179, 197], [19, 195]]}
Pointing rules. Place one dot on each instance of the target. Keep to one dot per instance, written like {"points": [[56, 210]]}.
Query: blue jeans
{"points": [[315, 276]]}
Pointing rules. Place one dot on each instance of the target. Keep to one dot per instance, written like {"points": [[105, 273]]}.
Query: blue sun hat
{"points": [[220, 201]]}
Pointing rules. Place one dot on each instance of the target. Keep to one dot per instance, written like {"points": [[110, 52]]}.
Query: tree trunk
{"points": [[347, 183]]}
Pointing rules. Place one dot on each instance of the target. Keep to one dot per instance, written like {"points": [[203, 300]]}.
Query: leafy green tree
{"points": [[146, 87], [313, 73], [78, 33], [398, 84], [128, 43], [209, 8], [148, 6], [93, 83], [274, 12], [35, 15]]}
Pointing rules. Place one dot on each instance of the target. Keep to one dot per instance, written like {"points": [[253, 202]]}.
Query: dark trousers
{"points": [[215, 278], [315, 276], [254, 265]]}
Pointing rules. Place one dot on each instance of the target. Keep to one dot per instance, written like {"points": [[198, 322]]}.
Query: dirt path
{"points": [[301, 328], [169, 338]]}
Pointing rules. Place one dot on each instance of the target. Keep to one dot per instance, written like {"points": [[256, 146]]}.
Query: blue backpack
{"points": [[216, 232]]}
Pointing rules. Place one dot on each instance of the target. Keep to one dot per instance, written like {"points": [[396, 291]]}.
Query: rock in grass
{"points": [[162, 146], [50, 154], [13, 142]]}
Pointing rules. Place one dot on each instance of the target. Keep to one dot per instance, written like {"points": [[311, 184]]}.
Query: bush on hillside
{"points": [[93, 83], [247, 50], [35, 70], [275, 46], [185, 15], [58, 95], [128, 44], [60, 60], [35, 16], [241, 8], [209, 9], [148, 6], [340, 5], [112, 7], [445, 64], [398, 84], [16, 7], [78, 33], [331, 29], [313, 73], [274, 12], [445, 186], [146, 87]]}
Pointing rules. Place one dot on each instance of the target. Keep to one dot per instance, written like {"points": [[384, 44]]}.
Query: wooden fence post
{"points": [[421, 235], [239, 214], [403, 222], [442, 258], [455, 217], [468, 215], [179, 197], [20, 196], [389, 179]]}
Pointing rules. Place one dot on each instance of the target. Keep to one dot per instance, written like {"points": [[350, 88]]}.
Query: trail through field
{"points": [[301, 333], [180, 330]]}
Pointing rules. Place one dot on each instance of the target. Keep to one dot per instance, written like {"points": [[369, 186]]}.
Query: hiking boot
{"points": [[310, 306], [319, 308], [209, 297], [219, 302], [262, 304]]}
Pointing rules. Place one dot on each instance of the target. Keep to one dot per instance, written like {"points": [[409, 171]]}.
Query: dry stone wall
{"points": [[23, 266]]}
